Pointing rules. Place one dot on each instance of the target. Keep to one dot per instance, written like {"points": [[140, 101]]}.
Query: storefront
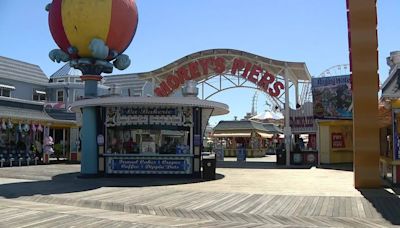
{"points": [[254, 137], [24, 128], [304, 130], [150, 135], [389, 161], [332, 105]]}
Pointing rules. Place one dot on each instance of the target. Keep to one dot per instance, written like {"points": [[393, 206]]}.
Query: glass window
{"points": [[39, 97], [60, 95], [60, 80], [123, 140], [5, 92]]}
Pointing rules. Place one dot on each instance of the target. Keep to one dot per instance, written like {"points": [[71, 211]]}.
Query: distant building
{"points": [[29, 97]]}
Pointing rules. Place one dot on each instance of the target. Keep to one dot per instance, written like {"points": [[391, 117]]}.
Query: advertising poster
{"points": [[332, 97]]}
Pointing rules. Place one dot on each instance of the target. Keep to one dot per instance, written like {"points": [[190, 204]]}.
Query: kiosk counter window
{"points": [[128, 140], [148, 140]]}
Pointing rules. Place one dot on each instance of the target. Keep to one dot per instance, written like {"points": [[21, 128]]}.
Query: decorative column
{"points": [[92, 35], [363, 47]]}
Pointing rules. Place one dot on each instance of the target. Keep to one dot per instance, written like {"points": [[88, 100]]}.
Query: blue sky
{"points": [[311, 31]]}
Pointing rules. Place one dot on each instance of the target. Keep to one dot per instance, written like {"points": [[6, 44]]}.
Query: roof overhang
{"points": [[221, 135], [117, 101]]}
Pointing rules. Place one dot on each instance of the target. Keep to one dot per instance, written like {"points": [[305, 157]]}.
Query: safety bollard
{"points": [[19, 161], [11, 161], [36, 159], [28, 160], [2, 162]]}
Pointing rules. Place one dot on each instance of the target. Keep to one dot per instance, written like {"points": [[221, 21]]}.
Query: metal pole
{"points": [[287, 130]]}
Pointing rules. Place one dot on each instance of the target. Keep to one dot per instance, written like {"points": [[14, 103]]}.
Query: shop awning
{"points": [[7, 86], [231, 134], [265, 135], [21, 114]]}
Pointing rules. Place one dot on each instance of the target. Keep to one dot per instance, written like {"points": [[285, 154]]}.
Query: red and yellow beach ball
{"points": [[74, 23]]}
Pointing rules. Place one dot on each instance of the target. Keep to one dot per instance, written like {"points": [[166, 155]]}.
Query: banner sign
{"points": [[302, 120], [332, 97], [338, 140], [117, 116], [144, 165]]}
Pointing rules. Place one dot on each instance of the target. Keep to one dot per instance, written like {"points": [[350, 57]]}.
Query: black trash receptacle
{"points": [[280, 156], [209, 164]]}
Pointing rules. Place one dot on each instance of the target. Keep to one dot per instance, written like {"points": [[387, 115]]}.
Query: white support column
{"points": [[296, 87], [287, 130]]}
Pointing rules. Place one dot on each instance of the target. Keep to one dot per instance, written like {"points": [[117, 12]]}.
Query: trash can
{"points": [[281, 156], [209, 165]]}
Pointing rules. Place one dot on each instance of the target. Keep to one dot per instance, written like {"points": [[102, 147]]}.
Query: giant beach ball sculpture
{"points": [[92, 31]]}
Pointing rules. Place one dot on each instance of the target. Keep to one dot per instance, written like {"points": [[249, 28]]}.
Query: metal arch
{"points": [[232, 87]]}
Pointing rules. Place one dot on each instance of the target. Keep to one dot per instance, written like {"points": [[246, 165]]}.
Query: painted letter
{"points": [[253, 76], [219, 64], [160, 92], [173, 82], [194, 70], [277, 87], [266, 79], [204, 65], [237, 65], [183, 75], [246, 69], [163, 90]]}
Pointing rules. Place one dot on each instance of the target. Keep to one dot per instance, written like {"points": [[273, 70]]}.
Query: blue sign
{"points": [[149, 165], [241, 155]]}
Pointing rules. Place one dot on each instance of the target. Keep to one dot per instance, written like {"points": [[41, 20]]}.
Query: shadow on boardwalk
{"points": [[385, 201], [70, 183]]}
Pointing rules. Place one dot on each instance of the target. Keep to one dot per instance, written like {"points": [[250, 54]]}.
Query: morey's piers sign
{"points": [[201, 67], [234, 66]]}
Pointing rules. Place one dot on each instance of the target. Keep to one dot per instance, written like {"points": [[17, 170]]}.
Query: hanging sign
{"points": [[117, 116]]}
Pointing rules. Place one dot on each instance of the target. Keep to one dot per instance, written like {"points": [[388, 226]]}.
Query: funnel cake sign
{"points": [[219, 65]]}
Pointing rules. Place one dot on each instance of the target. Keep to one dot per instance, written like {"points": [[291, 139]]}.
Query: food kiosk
{"points": [[150, 135]]}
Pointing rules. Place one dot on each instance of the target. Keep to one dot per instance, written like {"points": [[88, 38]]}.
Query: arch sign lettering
{"points": [[266, 74], [201, 67]]}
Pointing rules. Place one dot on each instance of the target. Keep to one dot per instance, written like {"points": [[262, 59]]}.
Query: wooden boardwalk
{"points": [[88, 203]]}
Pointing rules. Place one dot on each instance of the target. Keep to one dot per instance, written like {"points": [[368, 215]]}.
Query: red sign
{"points": [[198, 68], [337, 140]]}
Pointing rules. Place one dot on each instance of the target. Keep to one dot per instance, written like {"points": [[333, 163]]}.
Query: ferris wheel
{"points": [[341, 69], [337, 70]]}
